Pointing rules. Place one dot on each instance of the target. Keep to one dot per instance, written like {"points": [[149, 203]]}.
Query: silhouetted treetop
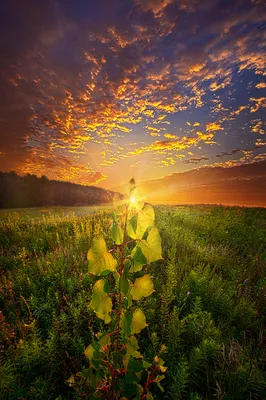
{"points": [[30, 191]]}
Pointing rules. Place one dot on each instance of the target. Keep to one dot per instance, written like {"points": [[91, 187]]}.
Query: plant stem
{"points": [[149, 380], [117, 345], [120, 273]]}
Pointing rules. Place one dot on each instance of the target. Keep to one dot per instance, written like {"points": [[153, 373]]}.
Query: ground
{"points": [[208, 308]]}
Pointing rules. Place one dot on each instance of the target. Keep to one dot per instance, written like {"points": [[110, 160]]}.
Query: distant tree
{"points": [[31, 191]]}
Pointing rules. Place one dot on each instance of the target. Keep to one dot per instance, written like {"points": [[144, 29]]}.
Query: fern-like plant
{"points": [[117, 369]]}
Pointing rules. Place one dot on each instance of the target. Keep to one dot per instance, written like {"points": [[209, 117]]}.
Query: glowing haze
{"points": [[95, 92]]}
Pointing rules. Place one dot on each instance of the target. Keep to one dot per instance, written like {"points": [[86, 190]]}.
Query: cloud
{"points": [[213, 127], [80, 79], [196, 160], [153, 131], [170, 136], [234, 151], [261, 85], [258, 127], [259, 103], [206, 137], [156, 6]]}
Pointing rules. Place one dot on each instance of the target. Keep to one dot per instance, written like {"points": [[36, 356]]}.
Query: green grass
{"points": [[208, 308], [39, 212]]}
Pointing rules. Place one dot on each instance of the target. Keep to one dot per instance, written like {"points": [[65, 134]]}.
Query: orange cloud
{"points": [[261, 85], [170, 136], [155, 5], [213, 127], [258, 127], [259, 103], [206, 137]]}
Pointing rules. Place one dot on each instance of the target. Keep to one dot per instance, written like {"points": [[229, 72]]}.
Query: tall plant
{"points": [[117, 369]]}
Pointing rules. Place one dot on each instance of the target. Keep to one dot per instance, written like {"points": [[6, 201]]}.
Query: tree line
{"points": [[30, 191]]}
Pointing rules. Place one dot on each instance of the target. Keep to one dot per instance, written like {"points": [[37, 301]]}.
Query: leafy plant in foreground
{"points": [[117, 369]]}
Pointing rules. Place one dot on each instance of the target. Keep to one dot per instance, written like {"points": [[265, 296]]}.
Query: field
{"points": [[208, 308]]}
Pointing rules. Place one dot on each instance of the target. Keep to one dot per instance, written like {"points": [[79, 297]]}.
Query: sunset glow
{"points": [[132, 200], [97, 92]]}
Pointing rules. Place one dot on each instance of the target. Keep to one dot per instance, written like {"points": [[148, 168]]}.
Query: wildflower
{"points": [[188, 293]]}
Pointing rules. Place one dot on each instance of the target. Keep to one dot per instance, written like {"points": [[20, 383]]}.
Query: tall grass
{"points": [[209, 305]]}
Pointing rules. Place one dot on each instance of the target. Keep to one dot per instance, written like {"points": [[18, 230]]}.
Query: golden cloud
{"points": [[213, 127], [261, 85]]}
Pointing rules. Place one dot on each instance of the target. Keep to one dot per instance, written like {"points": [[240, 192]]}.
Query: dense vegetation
{"points": [[31, 191], [208, 308]]}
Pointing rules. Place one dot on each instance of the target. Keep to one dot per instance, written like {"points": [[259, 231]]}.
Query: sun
{"points": [[132, 200]]}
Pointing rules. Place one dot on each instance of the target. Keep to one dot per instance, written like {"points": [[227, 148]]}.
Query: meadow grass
{"points": [[208, 308]]}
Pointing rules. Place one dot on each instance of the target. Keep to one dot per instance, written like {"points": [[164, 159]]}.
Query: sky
{"points": [[98, 92]]}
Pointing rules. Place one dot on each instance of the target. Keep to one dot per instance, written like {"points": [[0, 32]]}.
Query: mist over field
{"points": [[240, 185]]}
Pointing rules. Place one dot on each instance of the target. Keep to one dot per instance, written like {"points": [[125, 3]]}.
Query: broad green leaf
{"points": [[152, 248], [138, 259], [132, 226], [132, 347], [136, 267], [99, 258], [119, 204], [133, 367], [132, 351], [89, 352], [145, 219], [114, 216], [103, 338], [158, 380], [139, 205], [126, 267], [129, 300], [93, 379], [138, 321], [138, 255], [123, 285], [101, 303], [146, 365], [126, 360], [117, 233], [129, 389], [139, 390], [125, 325], [143, 287], [134, 342], [92, 352]]}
